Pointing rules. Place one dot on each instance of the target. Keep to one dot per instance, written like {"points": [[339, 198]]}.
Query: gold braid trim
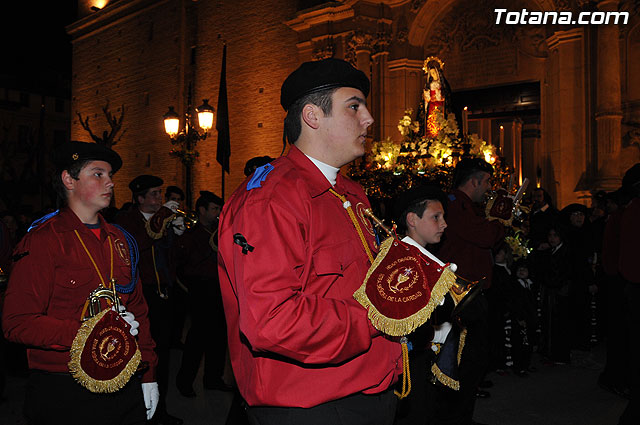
{"points": [[400, 327], [487, 209], [157, 235], [441, 376], [347, 205], [212, 241], [445, 379], [94, 385], [406, 375], [463, 338]]}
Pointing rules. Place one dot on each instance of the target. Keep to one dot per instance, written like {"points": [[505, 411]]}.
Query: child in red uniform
{"points": [[64, 257]]}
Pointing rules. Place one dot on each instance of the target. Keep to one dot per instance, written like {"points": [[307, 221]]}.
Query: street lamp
{"points": [[185, 140]]}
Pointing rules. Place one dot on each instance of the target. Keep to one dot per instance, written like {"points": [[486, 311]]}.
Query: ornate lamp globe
{"points": [[205, 115], [171, 122]]}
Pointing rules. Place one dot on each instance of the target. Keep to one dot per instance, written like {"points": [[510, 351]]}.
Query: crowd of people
{"points": [[273, 271]]}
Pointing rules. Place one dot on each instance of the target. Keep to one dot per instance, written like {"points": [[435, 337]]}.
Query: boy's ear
{"points": [[411, 219], [67, 180]]}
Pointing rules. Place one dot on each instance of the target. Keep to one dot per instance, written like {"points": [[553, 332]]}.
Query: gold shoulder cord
{"points": [[406, 377], [86, 303], [347, 206]]}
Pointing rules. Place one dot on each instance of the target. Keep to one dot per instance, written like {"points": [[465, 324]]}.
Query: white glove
{"points": [[440, 332], [178, 226], [130, 319], [172, 205], [151, 396]]}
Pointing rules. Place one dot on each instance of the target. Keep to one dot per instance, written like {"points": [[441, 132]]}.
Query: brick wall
{"points": [[261, 52], [142, 59]]}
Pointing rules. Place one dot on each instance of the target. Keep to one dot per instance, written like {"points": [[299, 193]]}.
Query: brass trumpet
{"points": [[190, 218], [110, 294]]}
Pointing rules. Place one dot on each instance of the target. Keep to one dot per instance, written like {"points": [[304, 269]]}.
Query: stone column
{"points": [[404, 90], [608, 102], [516, 141], [531, 151], [564, 117], [379, 76], [379, 89]]}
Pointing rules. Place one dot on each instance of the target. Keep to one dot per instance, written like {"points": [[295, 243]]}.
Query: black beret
{"points": [[144, 182], [415, 195], [207, 196], [632, 176], [314, 76], [478, 164], [572, 208], [71, 152], [255, 162]]}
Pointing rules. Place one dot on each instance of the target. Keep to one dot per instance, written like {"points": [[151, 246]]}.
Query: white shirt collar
{"points": [[330, 173], [423, 250], [525, 283], [504, 265], [147, 216]]}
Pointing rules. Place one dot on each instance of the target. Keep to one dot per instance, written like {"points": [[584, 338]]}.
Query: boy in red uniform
{"points": [[63, 258]]}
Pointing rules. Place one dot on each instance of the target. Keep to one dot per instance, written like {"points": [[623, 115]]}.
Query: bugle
{"points": [[190, 218]]}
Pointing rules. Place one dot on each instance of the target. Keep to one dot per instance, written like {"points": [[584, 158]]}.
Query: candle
{"points": [[465, 124]]}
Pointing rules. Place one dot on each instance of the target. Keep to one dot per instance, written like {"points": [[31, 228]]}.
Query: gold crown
{"points": [[429, 59]]}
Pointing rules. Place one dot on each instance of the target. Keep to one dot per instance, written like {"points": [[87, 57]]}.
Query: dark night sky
{"points": [[35, 42]]}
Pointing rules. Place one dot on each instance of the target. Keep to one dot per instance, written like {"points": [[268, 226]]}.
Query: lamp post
{"points": [[185, 140]]}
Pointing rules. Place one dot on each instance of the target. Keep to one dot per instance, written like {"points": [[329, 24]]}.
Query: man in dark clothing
{"points": [[614, 377], [154, 226], [197, 259], [543, 214], [468, 242], [628, 267]]}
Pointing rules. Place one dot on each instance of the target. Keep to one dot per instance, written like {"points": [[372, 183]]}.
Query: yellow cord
{"points": [[155, 269], [406, 375], [355, 223], [86, 304]]}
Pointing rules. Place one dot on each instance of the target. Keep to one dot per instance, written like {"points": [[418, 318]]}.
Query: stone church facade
{"points": [[566, 95]]}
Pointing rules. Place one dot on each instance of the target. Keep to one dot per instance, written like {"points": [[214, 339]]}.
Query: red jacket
{"points": [[51, 281], [296, 335], [469, 239], [195, 258], [157, 262]]}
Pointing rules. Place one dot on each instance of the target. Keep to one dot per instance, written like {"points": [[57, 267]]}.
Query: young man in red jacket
{"points": [[61, 260], [293, 248]]}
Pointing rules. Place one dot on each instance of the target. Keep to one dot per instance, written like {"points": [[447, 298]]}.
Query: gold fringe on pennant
{"points": [[400, 327], [445, 379], [94, 385], [157, 235]]}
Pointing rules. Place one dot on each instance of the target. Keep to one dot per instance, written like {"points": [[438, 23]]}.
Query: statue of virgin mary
{"points": [[436, 95]]}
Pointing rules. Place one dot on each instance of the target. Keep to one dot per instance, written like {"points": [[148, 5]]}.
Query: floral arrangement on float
{"points": [[390, 166], [431, 145], [518, 244]]}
